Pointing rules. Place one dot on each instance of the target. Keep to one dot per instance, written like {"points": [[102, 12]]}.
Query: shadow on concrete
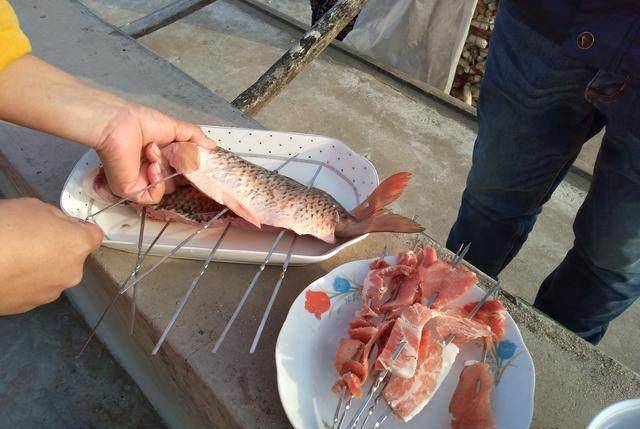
{"points": [[43, 385]]}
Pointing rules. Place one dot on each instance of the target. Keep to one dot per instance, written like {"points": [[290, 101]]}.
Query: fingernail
{"points": [[156, 150]]}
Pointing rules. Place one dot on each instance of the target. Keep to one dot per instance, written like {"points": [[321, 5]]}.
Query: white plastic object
{"points": [[306, 347], [621, 415], [346, 175]]}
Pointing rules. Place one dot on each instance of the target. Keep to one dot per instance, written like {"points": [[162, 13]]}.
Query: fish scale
{"points": [[261, 198], [272, 198]]}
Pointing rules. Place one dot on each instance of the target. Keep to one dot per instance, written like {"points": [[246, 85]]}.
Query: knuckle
{"points": [[52, 297], [74, 279]]}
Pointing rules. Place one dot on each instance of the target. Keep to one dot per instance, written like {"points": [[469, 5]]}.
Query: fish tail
{"points": [[387, 192], [385, 222], [371, 216]]}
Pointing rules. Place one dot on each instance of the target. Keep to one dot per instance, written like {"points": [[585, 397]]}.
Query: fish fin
{"points": [[387, 192], [385, 222]]}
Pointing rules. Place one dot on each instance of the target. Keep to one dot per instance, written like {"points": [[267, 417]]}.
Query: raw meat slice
{"points": [[410, 286], [470, 408], [354, 385], [376, 284], [407, 327], [455, 322], [378, 263], [354, 372], [407, 291], [348, 349], [366, 312], [364, 333], [409, 259], [407, 397], [427, 257], [492, 314], [448, 283]]}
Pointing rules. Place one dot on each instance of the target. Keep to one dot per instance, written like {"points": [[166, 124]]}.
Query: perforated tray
{"points": [[347, 176]]}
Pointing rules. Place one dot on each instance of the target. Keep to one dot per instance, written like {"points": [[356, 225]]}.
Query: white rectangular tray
{"points": [[347, 176]]}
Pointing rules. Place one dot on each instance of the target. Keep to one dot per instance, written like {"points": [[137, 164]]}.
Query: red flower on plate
{"points": [[316, 303]]}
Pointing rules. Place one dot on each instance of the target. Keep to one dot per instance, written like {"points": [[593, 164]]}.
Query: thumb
{"points": [[93, 235], [188, 132]]}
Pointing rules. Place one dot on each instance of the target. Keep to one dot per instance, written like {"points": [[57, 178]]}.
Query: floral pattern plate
{"points": [[318, 319]]}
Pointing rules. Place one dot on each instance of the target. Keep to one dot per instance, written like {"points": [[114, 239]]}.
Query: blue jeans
{"points": [[536, 109]]}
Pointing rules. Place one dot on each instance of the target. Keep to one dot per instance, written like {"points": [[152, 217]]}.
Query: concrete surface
{"points": [[337, 97], [106, 58], [42, 384], [301, 11], [228, 45]]}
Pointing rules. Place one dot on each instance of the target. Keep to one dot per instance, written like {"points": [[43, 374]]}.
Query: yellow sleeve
{"points": [[13, 42]]}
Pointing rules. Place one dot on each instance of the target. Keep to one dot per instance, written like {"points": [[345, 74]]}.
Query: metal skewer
{"points": [[448, 341], [460, 254], [376, 401], [127, 284], [122, 200], [189, 291], [378, 398], [134, 274], [272, 299], [375, 386], [175, 249], [124, 284], [337, 420], [136, 269], [476, 308], [482, 360], [247, 292]]}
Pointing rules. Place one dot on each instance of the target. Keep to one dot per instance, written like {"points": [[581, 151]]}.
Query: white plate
{"points": [[306, 347], [347, 176]]}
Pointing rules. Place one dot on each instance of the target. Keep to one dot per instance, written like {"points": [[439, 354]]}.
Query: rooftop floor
{"points": [[227, 45]]}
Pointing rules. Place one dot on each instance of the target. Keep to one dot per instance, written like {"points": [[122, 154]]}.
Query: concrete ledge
{"points": [[188, 385]]}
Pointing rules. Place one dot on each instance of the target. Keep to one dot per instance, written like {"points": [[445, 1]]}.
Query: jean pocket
{"points": [[606, 86]]}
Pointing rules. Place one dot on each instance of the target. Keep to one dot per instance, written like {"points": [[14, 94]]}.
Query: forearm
{"points": [[40, 96]]}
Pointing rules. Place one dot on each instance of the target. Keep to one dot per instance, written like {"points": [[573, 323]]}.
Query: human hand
{"points": [[136, 130], [42, 253], [126, 135]]}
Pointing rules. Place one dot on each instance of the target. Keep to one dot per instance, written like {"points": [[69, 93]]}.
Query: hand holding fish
{"points": [[126, 135], [134, 130], [35, 267]]}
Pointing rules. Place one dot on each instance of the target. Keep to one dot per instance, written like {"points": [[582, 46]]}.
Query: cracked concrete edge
{"points": [[89, 298]]}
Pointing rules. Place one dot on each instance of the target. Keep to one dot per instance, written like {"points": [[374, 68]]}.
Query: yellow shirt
{"points": [[13, 42]]}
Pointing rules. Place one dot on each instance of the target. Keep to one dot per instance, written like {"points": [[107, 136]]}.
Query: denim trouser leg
{"points": [[536, 109], [533, 119], [600, 276]]}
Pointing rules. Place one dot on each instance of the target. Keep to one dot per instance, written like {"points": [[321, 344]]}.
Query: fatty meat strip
{"points": [[407, 327], [455, 322], [408, 396], [376, 284], [445, 282], [492, 313], [409, 288], [380, 325]]}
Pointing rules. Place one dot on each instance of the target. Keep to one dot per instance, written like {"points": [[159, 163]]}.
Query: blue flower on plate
{"points": [[341, 285], [506, 349]]}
